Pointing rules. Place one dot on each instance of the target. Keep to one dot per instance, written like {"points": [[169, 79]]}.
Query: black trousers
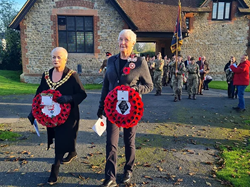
{"points": [[232, 90], [112, 147]]}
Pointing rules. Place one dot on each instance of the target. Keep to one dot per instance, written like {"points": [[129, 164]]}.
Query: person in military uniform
{"points": [[165, 78], [158, 66], [151, 67], [193, 76], [178, 75], [171, 71], [104, 64]]}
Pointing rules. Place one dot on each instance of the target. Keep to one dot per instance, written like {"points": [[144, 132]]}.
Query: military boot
{"points": [[175, 99], [189, 97], [194, 97], [179, 97], [159, 93]]}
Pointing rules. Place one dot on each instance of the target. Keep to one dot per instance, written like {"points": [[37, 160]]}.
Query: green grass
{"points": [[237, 168], [222, 85], [11, 85], [7, 135]]}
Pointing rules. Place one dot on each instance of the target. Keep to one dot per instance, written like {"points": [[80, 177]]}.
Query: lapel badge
{"points": [[132, 65]]}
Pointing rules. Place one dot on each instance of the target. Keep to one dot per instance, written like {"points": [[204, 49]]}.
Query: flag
{"points": [[177, 37]]}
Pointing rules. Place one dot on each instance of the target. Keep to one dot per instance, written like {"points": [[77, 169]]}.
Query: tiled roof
{"points": [[155, 15], [247, 3]]}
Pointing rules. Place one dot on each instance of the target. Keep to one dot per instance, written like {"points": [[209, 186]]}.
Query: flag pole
{"points": [[176, 56]]}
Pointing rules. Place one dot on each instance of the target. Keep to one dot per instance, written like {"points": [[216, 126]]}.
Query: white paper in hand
{"points": [[100, 126], [36, 128]]}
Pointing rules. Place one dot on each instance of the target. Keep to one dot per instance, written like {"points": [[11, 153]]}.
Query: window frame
{"points": [[187, 21], [84, 30], [226, 2]]}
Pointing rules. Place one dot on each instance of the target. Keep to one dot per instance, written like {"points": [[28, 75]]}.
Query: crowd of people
{"points": [[135, 73], [176, 73]]}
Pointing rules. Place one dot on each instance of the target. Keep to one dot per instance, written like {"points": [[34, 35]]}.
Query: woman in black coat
{"points": [[67, 82], [138, 78]]}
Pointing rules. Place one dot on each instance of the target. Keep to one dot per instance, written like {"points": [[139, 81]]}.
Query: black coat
{"points": [[65, 134], [139, 78]]}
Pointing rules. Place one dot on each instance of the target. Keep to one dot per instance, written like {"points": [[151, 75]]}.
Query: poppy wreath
{"points": [[44, 119], [136, 110]]}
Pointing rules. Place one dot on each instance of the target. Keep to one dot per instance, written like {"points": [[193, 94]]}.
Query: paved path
{"points": [[175, 142]]}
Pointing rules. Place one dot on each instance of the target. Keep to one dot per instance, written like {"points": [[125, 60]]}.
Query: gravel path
{"points": [[175, 142]]}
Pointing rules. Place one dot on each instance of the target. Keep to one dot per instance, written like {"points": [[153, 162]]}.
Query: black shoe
{"points": [[109, 183], [240, 110], [127, 177], [179, 97], [69, 158], [53, 175], [189, 97], [236, 108], [175, 99], [194, 97]]}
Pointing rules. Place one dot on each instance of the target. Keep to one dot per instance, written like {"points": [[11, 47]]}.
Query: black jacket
{"points": [[138, 78], [65, 134]]}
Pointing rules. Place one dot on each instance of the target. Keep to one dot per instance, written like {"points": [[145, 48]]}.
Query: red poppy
{"points": [[126, 70], [121, 120], [44, 119], [46, 77]]}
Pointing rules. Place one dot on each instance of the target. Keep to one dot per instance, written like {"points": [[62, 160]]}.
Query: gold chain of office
{"points": [[55, 85]]}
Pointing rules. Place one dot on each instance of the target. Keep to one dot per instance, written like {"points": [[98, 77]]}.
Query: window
{"points": [[221, 10], [188, 23], [75, 33]]}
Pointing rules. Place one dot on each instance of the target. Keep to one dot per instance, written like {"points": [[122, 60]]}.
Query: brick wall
{"points": [[217, 40], [39, 35]]}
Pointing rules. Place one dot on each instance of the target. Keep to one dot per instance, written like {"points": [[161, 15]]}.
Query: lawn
{"points": [[222, 85], [236, 170], [11, 85], [7, 134]]}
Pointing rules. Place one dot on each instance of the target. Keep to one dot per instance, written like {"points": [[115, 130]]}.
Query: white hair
{"points": [[60, 49], [128, 32]]}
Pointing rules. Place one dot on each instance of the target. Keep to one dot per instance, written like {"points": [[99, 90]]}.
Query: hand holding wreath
{"points": [[53, 120]]}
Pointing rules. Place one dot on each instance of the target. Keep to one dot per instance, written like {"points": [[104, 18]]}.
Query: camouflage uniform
{"points": [[177, 80], [171, 72], [192, 81], [151, 70], [165, 74], [158, 65]]}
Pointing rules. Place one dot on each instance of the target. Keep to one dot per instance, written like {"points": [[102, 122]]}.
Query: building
{"points": [[89, 28]]}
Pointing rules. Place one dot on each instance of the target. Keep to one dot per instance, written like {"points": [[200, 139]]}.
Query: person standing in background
{"points": [[158, 66], [104, 64], [165, 78], [241, 80], [229, 75], [178, 78], [204, 69], [193, 76]]}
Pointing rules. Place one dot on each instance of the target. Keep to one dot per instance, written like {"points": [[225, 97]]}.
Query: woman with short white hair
{"points": [[138, 77]]}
